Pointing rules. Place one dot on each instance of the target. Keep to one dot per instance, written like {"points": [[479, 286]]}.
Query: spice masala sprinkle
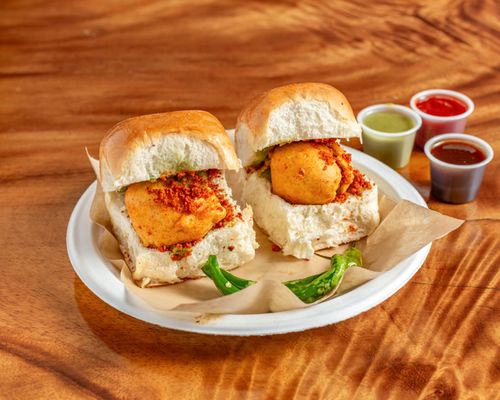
{"points": [[185, 192]]}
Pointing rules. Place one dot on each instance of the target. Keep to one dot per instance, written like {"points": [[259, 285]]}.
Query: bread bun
{"points": [[300, 230], [300, 111], [234, 245], [143, 148]]}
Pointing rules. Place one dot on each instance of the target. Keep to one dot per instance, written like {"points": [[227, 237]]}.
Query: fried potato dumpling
{"points": [[159, 224], [305, 173], [345, 166]]}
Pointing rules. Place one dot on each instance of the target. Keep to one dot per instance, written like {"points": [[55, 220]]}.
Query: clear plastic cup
{"points": [[454, 183], [393, 149], [433, 125]]}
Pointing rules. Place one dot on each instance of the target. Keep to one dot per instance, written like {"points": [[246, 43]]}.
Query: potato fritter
{"points": [[343, 160], [305, 173], [160, 222]]}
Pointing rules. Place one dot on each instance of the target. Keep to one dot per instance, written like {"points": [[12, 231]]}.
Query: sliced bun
{"points": [[301, 229], [300, 111], [233, 244], [143, 148]]}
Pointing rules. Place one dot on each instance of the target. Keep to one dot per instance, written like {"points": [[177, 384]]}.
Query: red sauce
{"points": [[459, 153], [441, 106], [275, 248]]}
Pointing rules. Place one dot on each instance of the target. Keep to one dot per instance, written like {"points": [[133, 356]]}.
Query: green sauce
{"points": [[388, 121]]}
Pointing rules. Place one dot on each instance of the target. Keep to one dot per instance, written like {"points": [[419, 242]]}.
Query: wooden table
{"points": [[70, 70]]}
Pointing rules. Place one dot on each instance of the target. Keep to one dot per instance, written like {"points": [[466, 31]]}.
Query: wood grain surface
{"points": [[69, 70]]}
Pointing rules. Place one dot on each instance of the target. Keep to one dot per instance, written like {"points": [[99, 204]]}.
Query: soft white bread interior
{"points": [[301, 229], [143, 148], [300, 111], [234, 245]]}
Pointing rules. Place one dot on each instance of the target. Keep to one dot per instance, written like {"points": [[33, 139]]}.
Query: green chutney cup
{"points": [[391, 147]]}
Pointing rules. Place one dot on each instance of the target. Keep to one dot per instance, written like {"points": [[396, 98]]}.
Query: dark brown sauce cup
{"points": [[456, 183]]}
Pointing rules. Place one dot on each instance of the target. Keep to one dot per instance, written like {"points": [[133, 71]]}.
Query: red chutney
{"points": [[441, 106], [275, 248], [179, 250]]}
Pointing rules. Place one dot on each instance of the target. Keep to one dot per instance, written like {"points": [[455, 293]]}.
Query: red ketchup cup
{"points": [[442, 111]]}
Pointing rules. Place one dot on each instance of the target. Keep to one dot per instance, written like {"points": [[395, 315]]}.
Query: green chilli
{"points": [[266, 174], [314, 287], [224, 281], [354, 257], [308, 289]]}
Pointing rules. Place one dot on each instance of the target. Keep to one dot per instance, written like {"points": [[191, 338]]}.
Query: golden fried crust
{"points": [[257, 112], [124, 138], [160, 225], [305, 173], [344, 163]]}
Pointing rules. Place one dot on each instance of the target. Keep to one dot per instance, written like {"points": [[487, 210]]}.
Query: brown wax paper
{"points": [[405, 228]]}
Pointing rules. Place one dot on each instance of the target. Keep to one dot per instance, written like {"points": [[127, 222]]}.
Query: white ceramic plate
{"points": [[103, 279]]}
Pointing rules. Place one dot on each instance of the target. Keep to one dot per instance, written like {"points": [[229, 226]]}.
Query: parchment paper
{"points": [[404, 229]]}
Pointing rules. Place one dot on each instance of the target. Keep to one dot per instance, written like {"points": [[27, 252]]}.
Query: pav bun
{"points": [[163, 177], [300, 230], [299, 111], [143, 148], [301, 184]]}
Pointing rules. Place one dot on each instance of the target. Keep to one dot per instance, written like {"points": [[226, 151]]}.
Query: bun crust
{"points": [[145, 147], [299, 111]]}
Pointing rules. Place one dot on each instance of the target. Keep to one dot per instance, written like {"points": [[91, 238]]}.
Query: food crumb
{"points": [[206, 318], [275, 248]]}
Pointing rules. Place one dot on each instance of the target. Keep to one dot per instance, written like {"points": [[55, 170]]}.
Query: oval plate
{"points": [[104, 281]]}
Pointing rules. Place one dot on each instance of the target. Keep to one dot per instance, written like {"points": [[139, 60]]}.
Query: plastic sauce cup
{"points": [[454, 183], [393, 149], [433, 125]]}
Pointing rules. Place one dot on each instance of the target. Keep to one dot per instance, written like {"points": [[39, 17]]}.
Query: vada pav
{"points": [[167, 197], [300, 182]]}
